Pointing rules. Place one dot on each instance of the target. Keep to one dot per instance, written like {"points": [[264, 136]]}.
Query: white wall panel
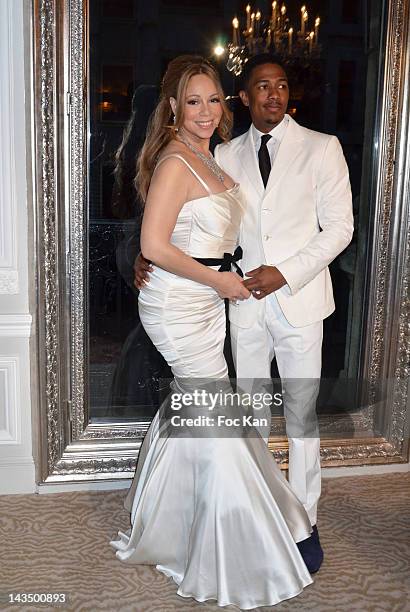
{"points": [[16, 457], [10, 416], [9, 278]]}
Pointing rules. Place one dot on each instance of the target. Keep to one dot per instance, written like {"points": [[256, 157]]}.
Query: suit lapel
{"points": [[249, 162], [289, 149]]}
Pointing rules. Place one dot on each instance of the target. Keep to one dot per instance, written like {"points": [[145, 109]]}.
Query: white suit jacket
{"points": [[299, 224]]}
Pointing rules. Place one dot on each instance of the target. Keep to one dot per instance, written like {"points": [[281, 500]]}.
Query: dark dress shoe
{"points": [[311, 551]]}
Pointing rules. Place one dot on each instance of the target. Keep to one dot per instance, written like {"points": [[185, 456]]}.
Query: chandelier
{"points": [[275, 35]]}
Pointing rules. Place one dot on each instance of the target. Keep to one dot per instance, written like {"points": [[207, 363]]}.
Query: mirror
{"points": [[348, 81]]}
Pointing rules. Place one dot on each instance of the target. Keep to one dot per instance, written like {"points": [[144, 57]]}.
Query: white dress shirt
{"points": [[273, 143]]}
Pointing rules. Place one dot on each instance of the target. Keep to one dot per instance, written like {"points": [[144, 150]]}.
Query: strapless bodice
{"points": [[209, 226]]}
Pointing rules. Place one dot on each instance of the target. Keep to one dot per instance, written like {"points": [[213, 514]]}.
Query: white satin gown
{"points": [[215, 514]]}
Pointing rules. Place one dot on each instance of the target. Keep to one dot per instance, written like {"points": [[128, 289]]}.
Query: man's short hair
{"points": [[258, 60]]}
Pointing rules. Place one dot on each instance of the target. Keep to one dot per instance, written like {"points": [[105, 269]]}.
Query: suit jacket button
{"points": [[266, 237]]}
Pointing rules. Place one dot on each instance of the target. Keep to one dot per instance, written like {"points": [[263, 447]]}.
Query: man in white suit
{"points": [[298, 219]]}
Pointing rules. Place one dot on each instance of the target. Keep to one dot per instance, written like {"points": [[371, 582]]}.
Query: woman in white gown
{"points": [[214, 513]]}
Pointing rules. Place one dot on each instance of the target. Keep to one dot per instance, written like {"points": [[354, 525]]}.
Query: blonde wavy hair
{"points": [[161, 129]]}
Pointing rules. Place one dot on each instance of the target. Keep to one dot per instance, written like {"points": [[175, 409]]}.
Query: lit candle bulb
{"points": [[274, 5], [290, 37], [269, 37], [235, 24], [248, 17], [305, 18], [258, 22], [317, 24], [282, 15], [311, 37], [302, 13], [253, 22]]}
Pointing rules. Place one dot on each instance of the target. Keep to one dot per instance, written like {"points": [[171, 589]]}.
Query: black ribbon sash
{"points": [[228, 260]]}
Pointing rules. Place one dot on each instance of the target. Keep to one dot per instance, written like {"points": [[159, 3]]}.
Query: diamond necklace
{"points": [[208, 161]]}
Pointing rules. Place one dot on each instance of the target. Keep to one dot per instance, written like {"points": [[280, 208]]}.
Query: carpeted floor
{"points": [[60, 543]]}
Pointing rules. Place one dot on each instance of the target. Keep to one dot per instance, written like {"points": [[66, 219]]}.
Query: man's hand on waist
{"points": [[142, 267]]}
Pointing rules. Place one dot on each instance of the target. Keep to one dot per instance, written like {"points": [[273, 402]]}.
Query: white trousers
{"points": [[298, 352]]}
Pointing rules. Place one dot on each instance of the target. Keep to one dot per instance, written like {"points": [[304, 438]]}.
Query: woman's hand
{"points": [[230, 285]]}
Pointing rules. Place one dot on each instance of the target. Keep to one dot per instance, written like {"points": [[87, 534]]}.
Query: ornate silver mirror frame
{"points": [[70, 447]]}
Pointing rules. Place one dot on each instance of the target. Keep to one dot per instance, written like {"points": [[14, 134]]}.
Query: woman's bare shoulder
{"points": [[171, 173], [173, 150]]}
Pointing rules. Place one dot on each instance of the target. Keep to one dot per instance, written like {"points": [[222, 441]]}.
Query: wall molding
{"points": [[17, 476], [15, 325], [10, 417], [9, 281], [17, 469], [10, 104]]}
